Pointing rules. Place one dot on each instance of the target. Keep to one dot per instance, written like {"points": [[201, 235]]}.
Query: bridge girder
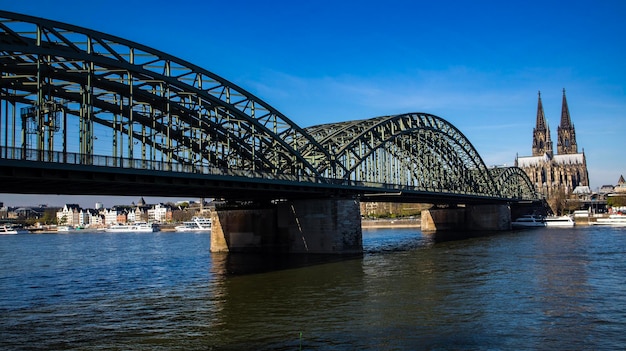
{"points": [[514, 183], [173, 110], [416, 150], [93, 97]]}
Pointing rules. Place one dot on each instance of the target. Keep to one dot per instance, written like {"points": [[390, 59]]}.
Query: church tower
{"points": [[542, 144], [555, 176], [566, 143]]}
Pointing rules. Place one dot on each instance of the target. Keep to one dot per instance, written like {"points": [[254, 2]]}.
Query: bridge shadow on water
{"points": [[445, 236], [235, 263], [375, 242]]}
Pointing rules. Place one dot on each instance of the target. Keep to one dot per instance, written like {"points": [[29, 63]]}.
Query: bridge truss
{"points": [[70, 95]]}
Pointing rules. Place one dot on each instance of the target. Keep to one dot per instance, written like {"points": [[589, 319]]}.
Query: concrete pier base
{"points": [[474, 218], [243, 230], [488, 217], [443, 219], [300, 226]]}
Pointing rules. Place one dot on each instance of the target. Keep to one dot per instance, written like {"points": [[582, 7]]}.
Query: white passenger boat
{"points": [[529, 221], [64, 228], [615, 220], [559, 221], [133, 228], [197, 224], [9, 229]]}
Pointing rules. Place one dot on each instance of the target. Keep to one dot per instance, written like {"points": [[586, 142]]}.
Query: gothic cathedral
{"points": [[555, 175]]}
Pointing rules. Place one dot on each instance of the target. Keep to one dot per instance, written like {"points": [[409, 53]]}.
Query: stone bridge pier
{"points": [[472, 217], [324, 226]]}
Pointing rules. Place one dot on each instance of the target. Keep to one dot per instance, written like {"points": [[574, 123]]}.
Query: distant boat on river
{"points": [[9, 229], [529, 221], [559, 221], [616, 220], [197, 224], [139, 227]]}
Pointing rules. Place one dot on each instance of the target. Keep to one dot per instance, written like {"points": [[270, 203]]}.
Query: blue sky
{"points": [[477, 64]]}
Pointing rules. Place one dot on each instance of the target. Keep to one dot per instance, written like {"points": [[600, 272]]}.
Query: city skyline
{"points": [[479, 65], [89, 201]]}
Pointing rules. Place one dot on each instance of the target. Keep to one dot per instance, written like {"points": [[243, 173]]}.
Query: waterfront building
{"points": [[96, 219], [132, 216], [28, 212], [69, 215], [122, 217], [606, 189], [159, 213], [83, 218], [74, 216], [555, 175], [139, 214], [110, 216], [616, 199], [620, 188]]}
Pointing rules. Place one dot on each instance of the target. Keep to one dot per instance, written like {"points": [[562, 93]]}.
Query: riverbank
{"points": [[390, 223], [365, 224]]}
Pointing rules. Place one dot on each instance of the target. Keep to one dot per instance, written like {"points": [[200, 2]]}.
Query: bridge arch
{"points": [[88, 95], [513, 183], [416, 150], [152, 106]]}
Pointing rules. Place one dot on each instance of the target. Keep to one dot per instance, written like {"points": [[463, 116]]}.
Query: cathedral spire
{"points": [[541, 118], [566, 121], [566, 143], [542, 144]]}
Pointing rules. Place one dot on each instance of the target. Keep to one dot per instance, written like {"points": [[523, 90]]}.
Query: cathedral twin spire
{"points": [[542, 144], [566, 142], [567, 136], [555, 174]]}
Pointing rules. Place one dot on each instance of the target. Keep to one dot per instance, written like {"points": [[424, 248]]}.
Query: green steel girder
{"points": [[142, 119], [45, 60], [436, 156], [514, 183], [138, 103]]}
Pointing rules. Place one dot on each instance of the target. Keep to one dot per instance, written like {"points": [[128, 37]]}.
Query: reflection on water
{"points": [[254, 263], [535, 289]]}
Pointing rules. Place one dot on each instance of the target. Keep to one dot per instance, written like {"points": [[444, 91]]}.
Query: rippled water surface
{"points": [[539, 289]]}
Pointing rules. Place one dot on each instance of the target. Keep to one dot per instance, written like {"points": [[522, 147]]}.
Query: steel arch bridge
{"points": [[76, 99]]}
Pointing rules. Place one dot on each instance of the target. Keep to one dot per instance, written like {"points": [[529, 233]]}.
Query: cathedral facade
{"points": [[555, 174]]}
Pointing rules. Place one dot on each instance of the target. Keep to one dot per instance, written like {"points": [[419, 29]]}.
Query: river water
{"points": [[540, 289]]}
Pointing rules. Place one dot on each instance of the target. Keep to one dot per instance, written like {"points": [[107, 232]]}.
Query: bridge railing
{"points": [[68, 158], [390, 188]]}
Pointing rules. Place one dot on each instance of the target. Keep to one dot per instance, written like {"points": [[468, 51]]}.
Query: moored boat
{"points": [[9, 229], [615, 220], [196, 224], [559, 221], [529, 221], [139, 227]]}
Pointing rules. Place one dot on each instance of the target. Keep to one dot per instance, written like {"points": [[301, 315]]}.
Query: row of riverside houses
{"points": [[74, 216]]}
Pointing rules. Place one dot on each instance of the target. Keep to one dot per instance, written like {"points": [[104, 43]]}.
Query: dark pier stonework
{"points": [[325, 226], [473, 218]]}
